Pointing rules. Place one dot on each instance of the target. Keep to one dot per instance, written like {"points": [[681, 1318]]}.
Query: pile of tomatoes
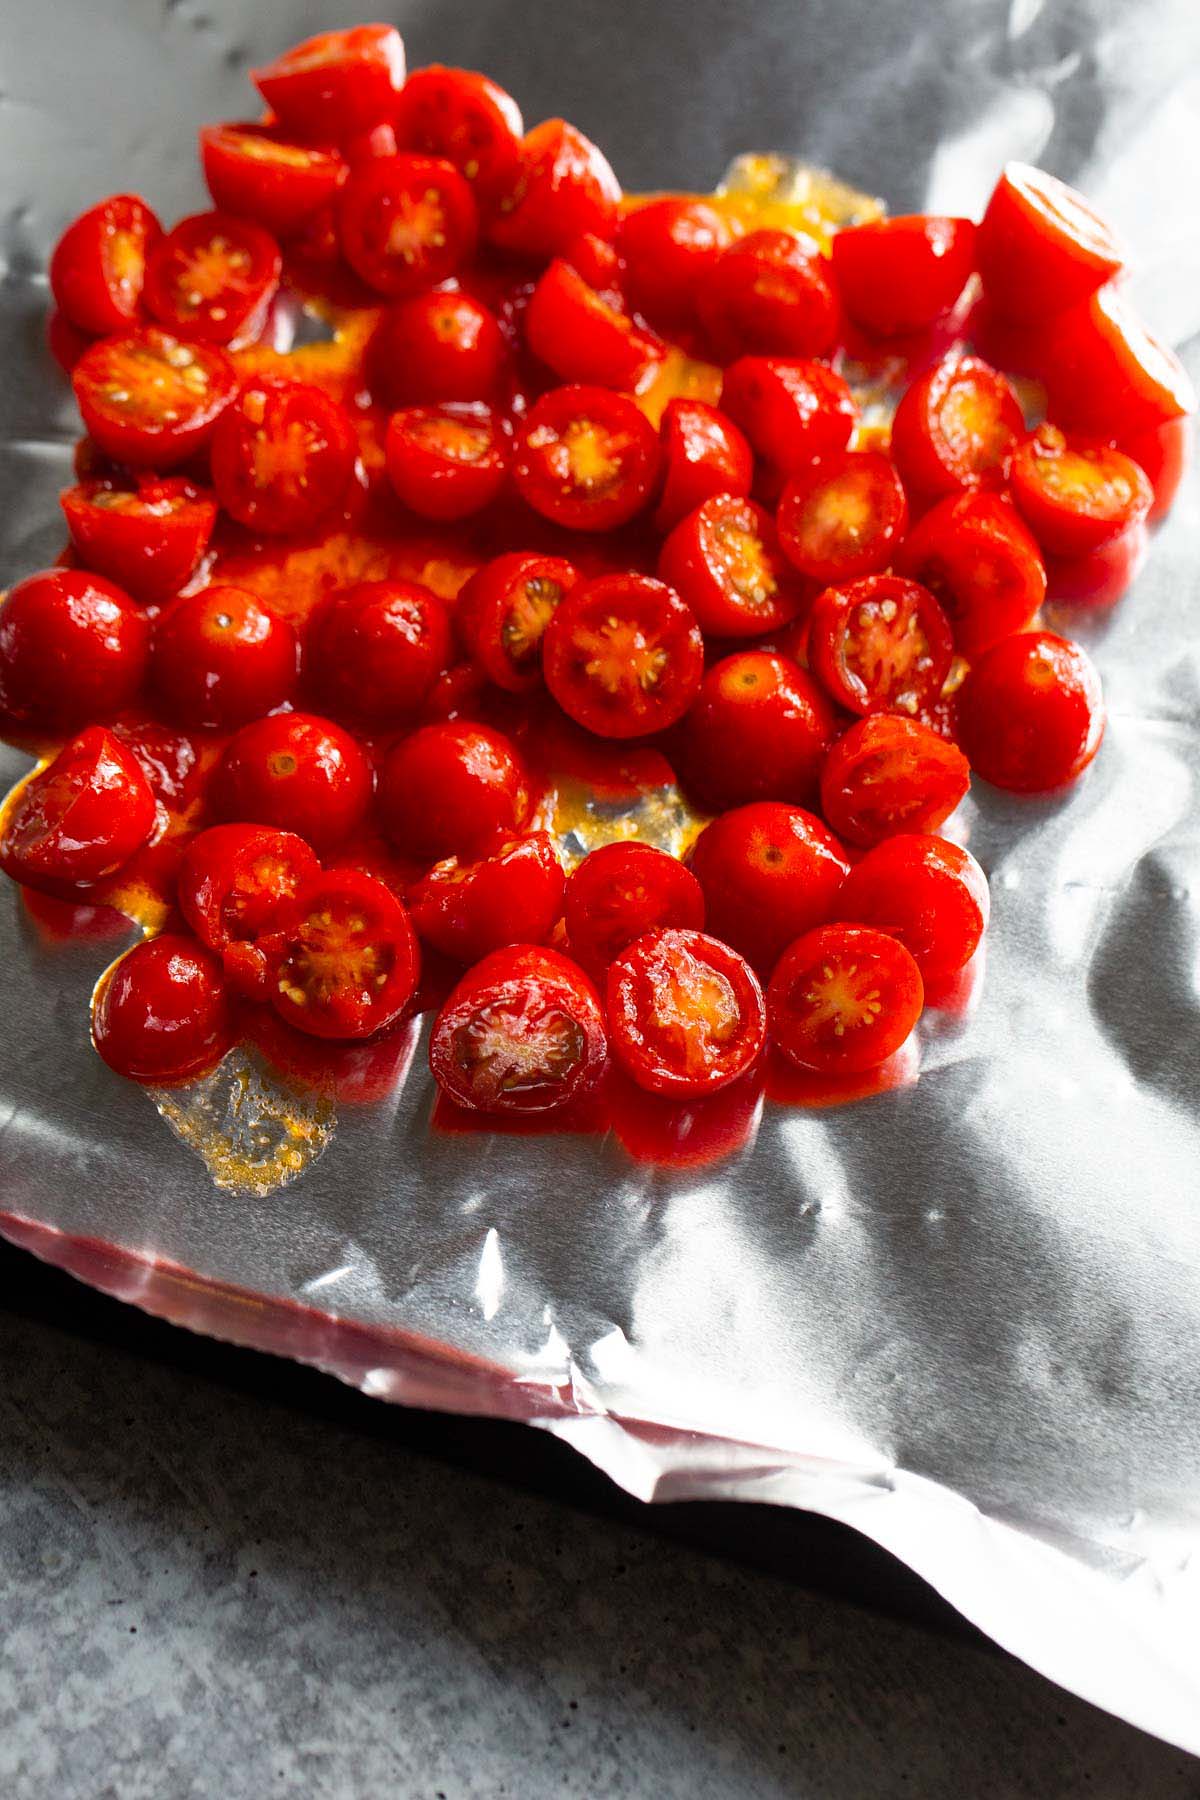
{"points": [[823, 627]]}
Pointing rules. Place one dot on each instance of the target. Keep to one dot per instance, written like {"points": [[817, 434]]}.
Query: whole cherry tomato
{"points": [[161, 1014], [255, 173], [298, 773], [621, 891], [1031, 713], [78, 819], [221, 658], [147, 537], [759, 730], [843, 516], [1107, 376], [232, 881], [99, 264], [374, 650], [451, 788], [1074, 494], [889, 774], [669, 247], [1041, 246], [901, 275], [956, 428], [503, 612], [511, 895], [685, 1013], [460, 115], [623, 656], [843, 998], [769, 871], [342, 956], [880, 644], [73, 646], [981, 562], [790, 411], [435, 347], [337, 83], [586, 458], [282, 455], [582, 336], [213, 278], [446, 462], [768, 294], [565, 186], [725, 561], [924, 891], [703, 453], [150, 399], [406, 222]]}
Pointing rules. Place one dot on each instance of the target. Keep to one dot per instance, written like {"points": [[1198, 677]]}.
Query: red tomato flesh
{"points": [[343, 958], [582, 336], [503, 612], [623, 656], [254, 173], [843, 998], [726, 562], [1041, 247], [1073, 494], [99, 264], [769, 871], [586, 458], [685, 1013], [982, 563], [956, 428], [844, 516], [881, 643], [1031, 713], [924, 891], [79, 819], [161, 1013], [901, 275], [282, 455], [512, 895], [759, 730], [213, 278], [620, 892], [150, 399], [889, 774]]}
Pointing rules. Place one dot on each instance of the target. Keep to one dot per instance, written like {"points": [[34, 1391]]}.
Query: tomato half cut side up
{"points": [[336, 84], [460, 115], [726, 562], [620, 892], [901, 275], [980, 560], [406, 222], [233, 879], [99, 264], [843, 517], [523, 1032], [512, 895], [1074, 494], [147, 538], [282, 455], [1041, 246], [930, 894], [151, 399], [213, 278], [703, 453], [956, 428], [586, 458], [623, 656], [1031, 713], [254, 173], [843, 998], [161, 1013], [503, 612], [881, 643], [889, 774], [685, 1013], [344, 961], [583, 337], [80, 818], [446, 462]]}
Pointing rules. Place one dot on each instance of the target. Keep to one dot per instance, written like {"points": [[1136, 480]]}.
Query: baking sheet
{"points": [[961, 1316]]}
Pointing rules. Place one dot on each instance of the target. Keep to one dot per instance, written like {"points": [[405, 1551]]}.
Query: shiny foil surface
{"points": [[962, 1316]]}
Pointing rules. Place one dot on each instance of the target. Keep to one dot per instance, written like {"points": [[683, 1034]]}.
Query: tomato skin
{"points": [[956, 428], [924, 891], [232, 881], [621, 891], [1098, 578], [451, 788], [982, 564], [337, 83], [462, 116], [446, 462], [768, 294], [514, 996], [72, 646], [147, 538], [80, 818], [790, 411], [582, 336], [185, 292], [1106, 375], [880, 643], [221, 658], [512, 895], [1040, 246], [1074, 495], [724, 559], [282, 455], [1164, 452], [503, 611], [623, 656], [65, 341], [843, 516], [376, 648], [297, 772], [685, 1013], [254, 173], [758, 730], [670, 247], [889, 774], [769, 871], [903, 274], [436, 347], [150, 399], [821, 1017], [703, 453], [1031, 713], [599, 263], [421, 202], [161, 1014], [99, 264], [342, 956], [565, 186], [586, 458]]}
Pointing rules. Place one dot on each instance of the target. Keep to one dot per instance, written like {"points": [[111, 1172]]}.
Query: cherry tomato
{"points": [[725, 561], [254, 173], [1098, 578], [161, 1013], [522, 1033], [1031, 713], [685, 1013], [956, 428], [769, 871], [902, 275], [924, 891], [65, 342], [221, 658], [170, 760], [623, 656], [1041, 247], [72, 646], [451, 788], [889, 774], [337, 83], [80, 818], [406, 222], [586, 458], [981, 562], [843, 998], [759, 730], [790, 411], [703, 453], [213, 277], [565, 186], [845, 515], [512, 895], [1106, 375], [446, 462], [343, 957], [600, 264], [232, 881], [1073, 494], [298, 773], [435, 347], [374, 650], [99, 264], [147, 538], [282, 455], [670, 247], [880, 644], [768, 294], [151, 399], [1164, 452], [620, 892], [582, 336], [503, 611], [462, 116]]}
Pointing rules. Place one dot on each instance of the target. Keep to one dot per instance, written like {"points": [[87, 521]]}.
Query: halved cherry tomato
{"points": [[254, 173], [955, 428], [232, 881], [512, 895], [170, 760], [1031, 713], [374, 650], [582, 336], [161, 1013], [503, 611], [924, 891], [586, 458], [768, 294], [565, 186], [65, 341], [282, 455], [1106, 375], [1074, 494], [903, 274], [759, 730], [462, 116], [623, 656], [72, 646], [298, 773], [451, 788], [343, 957], [99, 264], [436, 347], [889, 774], [150, 399], [621, 891], [1164, 452], [981, 562], [769, 871], [790, 411], [600, 264], [213, 277], [1041, 247], [843, 998], [685, 1013], [79, 819], [446, 462], [523, 1032], [147, 537], [222, 658], [670, 247], [725, 560], [406, 222], [703, 453], [1100, 577], [880, 644], [337, 83], [845, 515]]}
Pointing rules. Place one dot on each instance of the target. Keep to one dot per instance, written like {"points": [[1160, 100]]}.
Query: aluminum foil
{"points": [[962, 1316]]}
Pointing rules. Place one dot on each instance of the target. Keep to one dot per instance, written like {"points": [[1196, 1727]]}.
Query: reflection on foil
{"points": [[253, 1131], [581, 820]]}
